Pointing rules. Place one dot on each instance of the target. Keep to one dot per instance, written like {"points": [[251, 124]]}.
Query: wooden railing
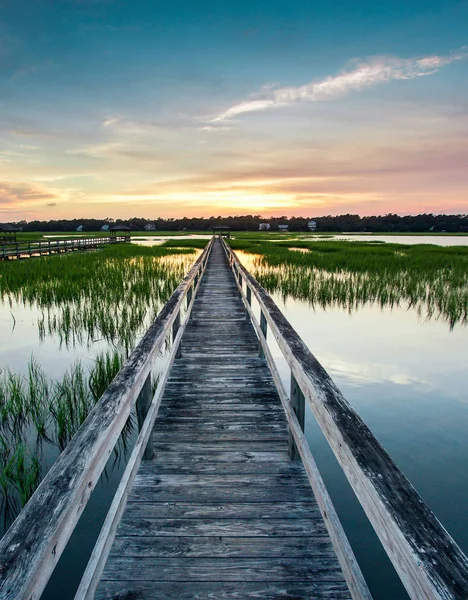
{"points": [[17, 250], [428, 561], [32, 546]]}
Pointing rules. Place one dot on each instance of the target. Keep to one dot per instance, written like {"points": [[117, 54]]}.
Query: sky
{"points": [[117, 108]]}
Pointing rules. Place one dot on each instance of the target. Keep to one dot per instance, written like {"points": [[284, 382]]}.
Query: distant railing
{"points": [[32, 546], [17, 250], [428, 561]]}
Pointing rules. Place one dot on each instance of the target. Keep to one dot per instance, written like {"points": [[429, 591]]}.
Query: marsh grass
{"points": [[431, 279], [37, 412], [110, 294]]}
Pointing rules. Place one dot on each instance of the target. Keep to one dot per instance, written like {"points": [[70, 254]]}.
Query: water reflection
{"points": [[433, 294]]}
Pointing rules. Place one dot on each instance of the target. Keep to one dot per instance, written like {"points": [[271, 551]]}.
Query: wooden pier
{"points": [[20, 250], [221, 497]]}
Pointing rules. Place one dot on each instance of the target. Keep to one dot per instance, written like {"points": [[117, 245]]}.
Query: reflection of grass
{"points": [[35, 411], [109, 294], [432, 279]]}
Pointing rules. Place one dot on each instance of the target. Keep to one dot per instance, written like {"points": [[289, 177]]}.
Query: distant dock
{"points": [[20, 250]]}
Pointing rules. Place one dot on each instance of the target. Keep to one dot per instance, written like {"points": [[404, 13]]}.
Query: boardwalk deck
{"points": [[221, 511]]}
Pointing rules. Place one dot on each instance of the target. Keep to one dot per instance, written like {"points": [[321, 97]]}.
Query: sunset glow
{"points": [[194, 109]]}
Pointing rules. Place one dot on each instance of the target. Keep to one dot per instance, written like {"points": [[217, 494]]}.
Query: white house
{"points": [[80, 228], [283, 227], [264, 227], [150, 227], [312, 225], [105, 228]]}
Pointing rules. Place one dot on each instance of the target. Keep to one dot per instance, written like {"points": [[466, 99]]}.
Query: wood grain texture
{"points": [[265, 590], [221, 511]]}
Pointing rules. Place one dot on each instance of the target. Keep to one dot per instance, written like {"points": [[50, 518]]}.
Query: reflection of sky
{"points": [[117, 108], [406, 378]]}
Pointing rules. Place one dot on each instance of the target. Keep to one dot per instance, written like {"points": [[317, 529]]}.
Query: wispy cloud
{"points": [[22, 193], [367, 73]]}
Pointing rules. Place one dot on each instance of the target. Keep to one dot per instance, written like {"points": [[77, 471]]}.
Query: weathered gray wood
{"points": [[143, 404], [352, 572], [294, 528], [264, 329], [227, 510], [429, 562], [264, 590], [221, 486], [32, 546], [223, 569], [223, 546], [298, 406], [175, 329], [103, 545]]}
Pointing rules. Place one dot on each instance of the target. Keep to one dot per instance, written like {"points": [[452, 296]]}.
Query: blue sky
{"points": [[117, 108]]}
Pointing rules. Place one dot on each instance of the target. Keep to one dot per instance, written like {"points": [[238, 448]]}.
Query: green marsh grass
{"points": [[38, 412], [109, 294], [430, 279]]}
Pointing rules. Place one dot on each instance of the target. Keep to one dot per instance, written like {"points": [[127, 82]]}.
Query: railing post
{"points": [[240, 280], [263, 327], [298, 405], [249, 295], [143, 404], [189, 296], [175, 329]]}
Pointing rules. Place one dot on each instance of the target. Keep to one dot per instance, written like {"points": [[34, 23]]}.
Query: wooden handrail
{"points": [[17, 249], [428, 561], [32, 546]]}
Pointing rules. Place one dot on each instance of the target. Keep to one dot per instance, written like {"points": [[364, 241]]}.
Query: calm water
{"points": [[438, 240], [407, 379]]}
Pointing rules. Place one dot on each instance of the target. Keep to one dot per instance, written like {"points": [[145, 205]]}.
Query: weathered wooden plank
{"points": [[227, 510], [264, 590], [222, 547], [222, 569], [221, 427], [239, 445], [168, 466], [219, 488], [217, 436], [295, 528]]}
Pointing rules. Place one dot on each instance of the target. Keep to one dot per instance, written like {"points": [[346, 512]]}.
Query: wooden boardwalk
{"points": [[217, 510], [25, 249], [221, 511]]}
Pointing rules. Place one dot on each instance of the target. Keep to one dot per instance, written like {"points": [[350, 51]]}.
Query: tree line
{"points": [[341, 223]]}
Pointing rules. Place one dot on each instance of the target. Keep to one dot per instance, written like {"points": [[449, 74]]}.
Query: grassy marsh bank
{"points": [[428, 278], [108, 294]]}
